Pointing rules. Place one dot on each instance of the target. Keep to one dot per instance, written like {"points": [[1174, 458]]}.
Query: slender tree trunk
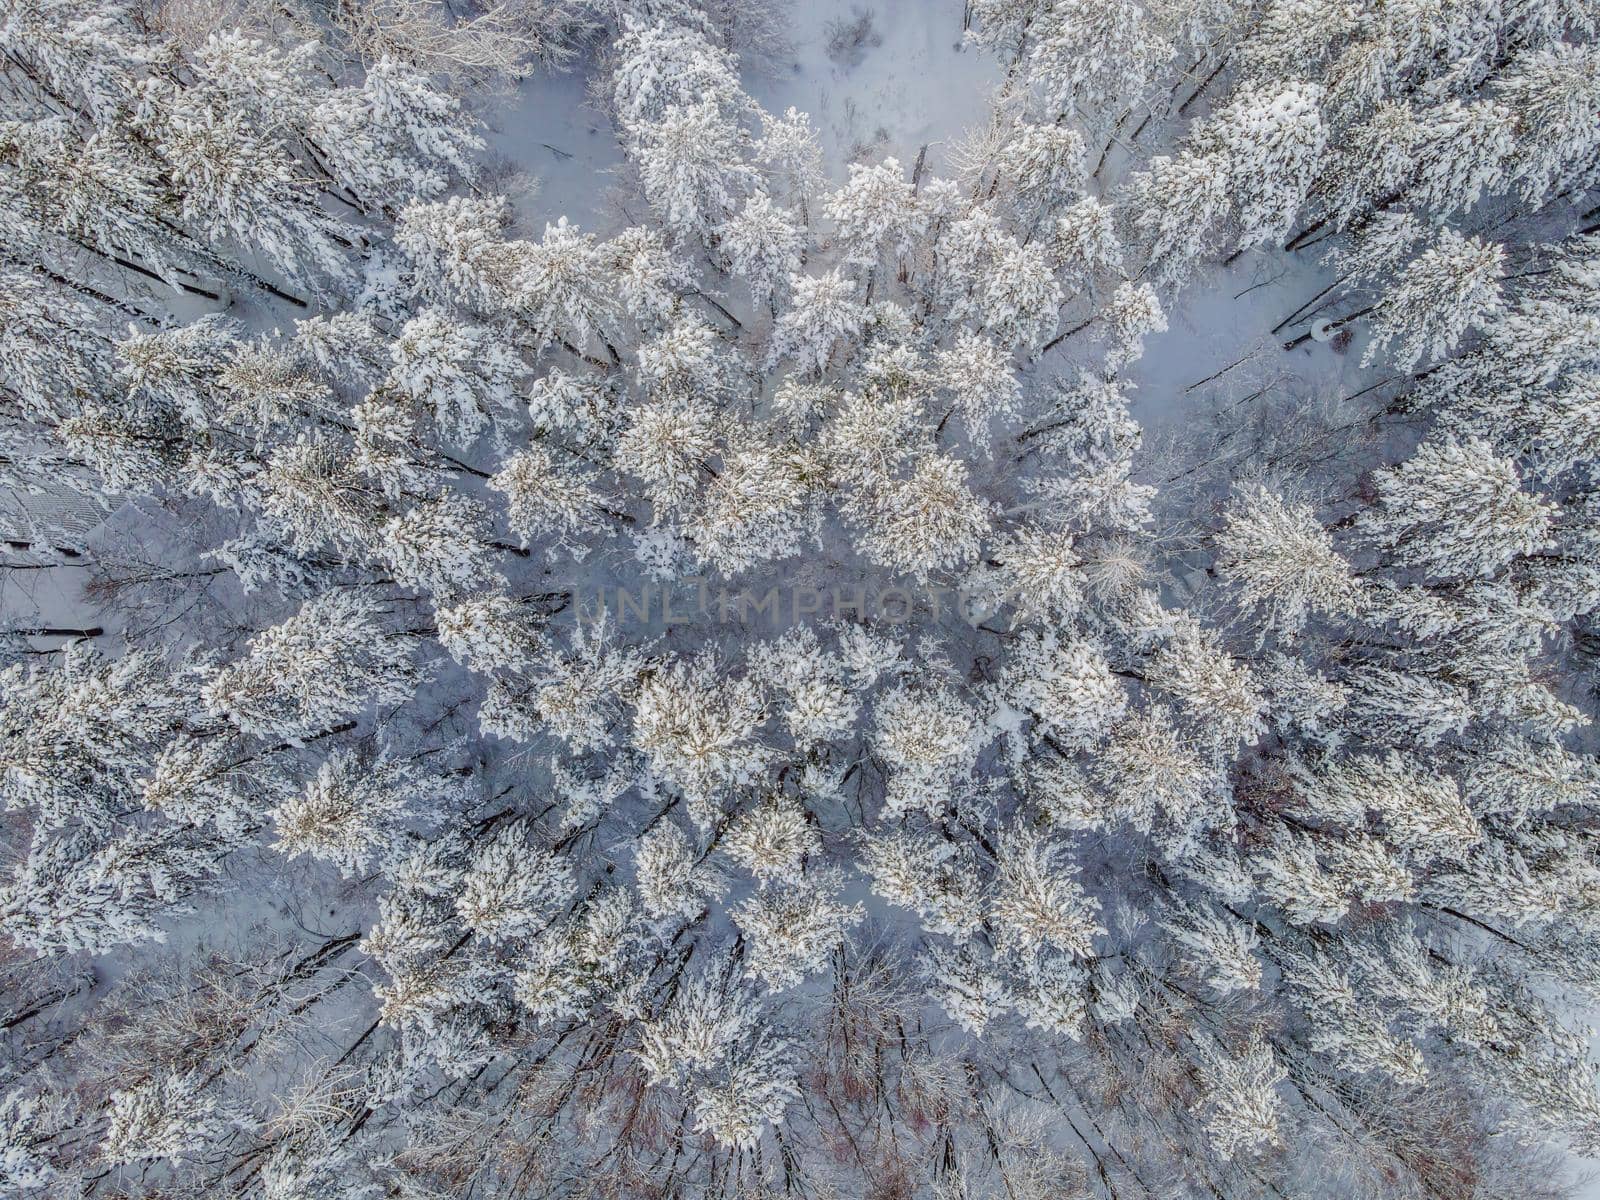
{"points": [[1339, 324], [92, 631], [1204, 84], [1059, 338], [1306, 308]]}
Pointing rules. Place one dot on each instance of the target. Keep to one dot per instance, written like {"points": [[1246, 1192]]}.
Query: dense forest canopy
{"points": [[1068, 772]]}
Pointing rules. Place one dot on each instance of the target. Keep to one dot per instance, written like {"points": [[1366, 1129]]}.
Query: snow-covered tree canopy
{"points": [[1026, 632]]}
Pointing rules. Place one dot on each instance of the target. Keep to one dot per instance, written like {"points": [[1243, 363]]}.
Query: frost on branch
{"points": [[1052, 662]]}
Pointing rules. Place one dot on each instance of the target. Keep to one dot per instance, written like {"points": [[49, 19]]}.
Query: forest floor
{"points": [[886, 78]]}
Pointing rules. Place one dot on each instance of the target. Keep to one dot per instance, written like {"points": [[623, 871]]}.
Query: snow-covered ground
{"points": [[880, 79], [1230, 375]]}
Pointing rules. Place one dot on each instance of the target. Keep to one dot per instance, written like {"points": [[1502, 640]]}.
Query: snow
{"points": [[888, 86], [548, 131], [880, 80], [892, 78]]}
